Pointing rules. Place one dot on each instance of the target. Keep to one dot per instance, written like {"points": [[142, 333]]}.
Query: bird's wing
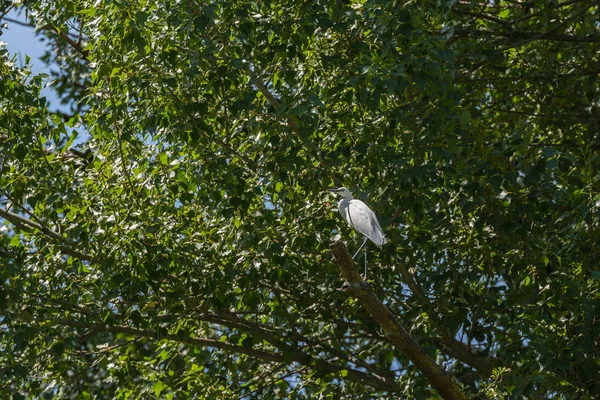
{"points": [[343, 207], [364, 221]]}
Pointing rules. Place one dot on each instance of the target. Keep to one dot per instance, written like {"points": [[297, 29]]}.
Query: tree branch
{"points": [[481, 15], [63, 35], [320, 365], [30, 226], [408, 278], [536, 76], [229, 319], [526, 37], [6, 11], [458, 349], [292, 120], [16, 21], [202, 342], [536, 115], [548, 35], [552, 7], [265, 92], [439, 379]]}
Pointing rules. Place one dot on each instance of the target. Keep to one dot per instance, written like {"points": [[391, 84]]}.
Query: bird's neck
{"points": [[345, 200]]}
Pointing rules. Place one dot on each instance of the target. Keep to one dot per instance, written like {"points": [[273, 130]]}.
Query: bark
{"points": [[438, 378]]}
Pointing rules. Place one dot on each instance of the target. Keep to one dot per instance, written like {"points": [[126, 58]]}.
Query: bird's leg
{"points": [[365, 263], [361, 246]]}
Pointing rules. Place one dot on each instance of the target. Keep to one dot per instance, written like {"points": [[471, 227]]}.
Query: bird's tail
{"points": [[380, 241]]}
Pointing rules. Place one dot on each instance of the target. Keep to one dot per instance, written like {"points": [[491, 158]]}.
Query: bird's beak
{"points": [[333, 190]]}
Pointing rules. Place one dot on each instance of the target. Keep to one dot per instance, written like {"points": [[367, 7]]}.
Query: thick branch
{"points": [[264, 90], [230, 320], [536, 115], [31, 226], [536, 76], [291, 355], [461, 352], [233, 321], [414, 287], [439, 380], [526, 36], [263, 355]]}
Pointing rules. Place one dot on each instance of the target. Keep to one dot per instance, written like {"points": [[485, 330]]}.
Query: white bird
{"points": [[361, 218]]}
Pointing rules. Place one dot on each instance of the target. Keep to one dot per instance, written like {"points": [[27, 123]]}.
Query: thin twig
{"points": [[259, 378], [482, 16], [63, 35], [16, 21], [279, 108], [105, 349], [7, 10]]}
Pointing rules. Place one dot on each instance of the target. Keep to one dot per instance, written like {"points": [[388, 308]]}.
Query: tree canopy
{"points": [[171, 235]]}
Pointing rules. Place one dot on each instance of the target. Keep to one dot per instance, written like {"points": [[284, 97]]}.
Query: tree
{"points": [[190, 253]]}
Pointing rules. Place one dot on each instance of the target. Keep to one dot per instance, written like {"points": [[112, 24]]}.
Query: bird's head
{"points": [[344, 192]]}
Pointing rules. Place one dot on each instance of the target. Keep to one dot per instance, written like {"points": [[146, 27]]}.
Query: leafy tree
{"points": [[188, 254]]}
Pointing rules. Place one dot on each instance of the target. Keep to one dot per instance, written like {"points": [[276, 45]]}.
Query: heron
{"points": [[361, 218]]}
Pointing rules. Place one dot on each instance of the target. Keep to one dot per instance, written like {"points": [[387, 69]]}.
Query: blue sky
{"points": [[22, 41]]}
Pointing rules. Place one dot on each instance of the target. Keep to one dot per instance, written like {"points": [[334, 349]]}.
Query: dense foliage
{"points": [[188, 254]]}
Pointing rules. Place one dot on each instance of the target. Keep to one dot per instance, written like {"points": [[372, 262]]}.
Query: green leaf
{"points": [[15, 241], [88, 12], [20, 152], [164, 159], [158, 388], [216, 128], [314, 100]]}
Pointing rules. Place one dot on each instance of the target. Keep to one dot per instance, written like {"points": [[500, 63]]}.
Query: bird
{"points": [[361, 218]]}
